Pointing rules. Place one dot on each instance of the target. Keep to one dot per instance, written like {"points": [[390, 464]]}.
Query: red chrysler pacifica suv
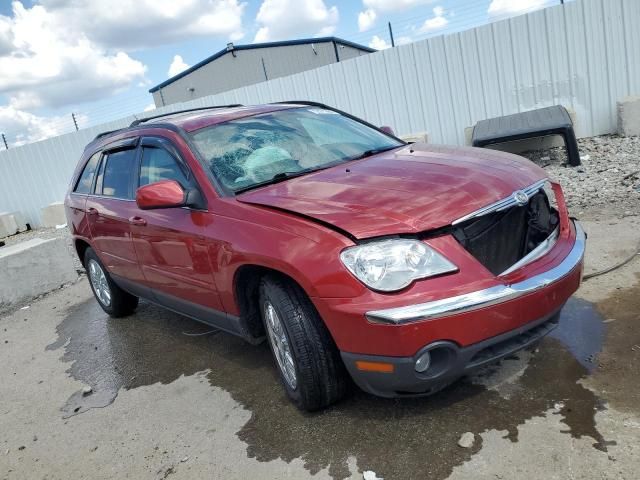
{"points": [[402, 266]]}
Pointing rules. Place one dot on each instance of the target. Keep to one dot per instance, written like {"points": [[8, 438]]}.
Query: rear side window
{"points": [[117, 175], [158, 164], [86, 178]]}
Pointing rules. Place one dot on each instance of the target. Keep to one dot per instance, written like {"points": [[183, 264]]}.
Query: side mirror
{"points": [[387, 129], [163, 194]]}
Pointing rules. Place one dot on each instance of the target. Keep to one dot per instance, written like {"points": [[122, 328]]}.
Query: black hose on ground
{"points": [[614, 267]]}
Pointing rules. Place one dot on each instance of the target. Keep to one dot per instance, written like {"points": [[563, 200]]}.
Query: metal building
{"points": [[242, 65]]}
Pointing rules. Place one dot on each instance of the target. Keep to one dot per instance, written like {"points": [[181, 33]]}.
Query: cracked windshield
{"points": [[249, 152]]}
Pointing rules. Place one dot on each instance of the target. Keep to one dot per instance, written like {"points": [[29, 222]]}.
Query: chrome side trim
{"points": [[503, 204], [483, 298], [540, 251]]}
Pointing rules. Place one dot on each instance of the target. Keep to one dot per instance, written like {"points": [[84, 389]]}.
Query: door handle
{"points": [[92, 211], [141, 222]]}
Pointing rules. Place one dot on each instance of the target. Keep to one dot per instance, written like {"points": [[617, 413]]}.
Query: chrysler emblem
{"points": [[520, 197]]}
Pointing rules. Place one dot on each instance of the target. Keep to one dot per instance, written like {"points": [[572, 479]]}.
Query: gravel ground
{"points": [[609, 176]]}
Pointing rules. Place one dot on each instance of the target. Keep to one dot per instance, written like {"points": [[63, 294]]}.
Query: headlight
{"points": [[390, 265]]}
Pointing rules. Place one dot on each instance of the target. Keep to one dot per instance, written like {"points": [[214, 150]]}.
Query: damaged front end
{"points": [[512, 232]]}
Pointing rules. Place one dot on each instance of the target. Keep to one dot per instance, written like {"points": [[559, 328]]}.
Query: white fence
{"points": [[584, 55]]}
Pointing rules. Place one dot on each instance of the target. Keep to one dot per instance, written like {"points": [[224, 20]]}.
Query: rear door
{"points": [[111, 206], [77, 198], [169, 242]]}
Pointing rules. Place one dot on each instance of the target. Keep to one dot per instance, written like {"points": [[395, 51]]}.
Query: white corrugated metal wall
{"points": [[584, 55]]}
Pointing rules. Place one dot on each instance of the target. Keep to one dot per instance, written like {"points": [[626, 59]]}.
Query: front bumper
{"points": [[450, 360], [450, 363]]}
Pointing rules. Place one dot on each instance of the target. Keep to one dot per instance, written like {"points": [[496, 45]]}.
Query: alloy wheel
{"points": [[280, 345], [99, 282]]}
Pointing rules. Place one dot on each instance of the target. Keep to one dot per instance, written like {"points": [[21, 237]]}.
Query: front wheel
{"points": [[307, 359], [113, 300]]}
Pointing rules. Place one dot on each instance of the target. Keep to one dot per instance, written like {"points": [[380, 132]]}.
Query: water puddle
{"points": [[112, 354], [581, 331], [395, 438], [619, 362]]}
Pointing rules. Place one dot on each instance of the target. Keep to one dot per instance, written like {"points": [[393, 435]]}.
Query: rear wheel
{"points": [[307, 359], [113, 300]]}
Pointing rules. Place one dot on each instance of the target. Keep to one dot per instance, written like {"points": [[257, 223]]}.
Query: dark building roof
{"points": [[286, 43]]}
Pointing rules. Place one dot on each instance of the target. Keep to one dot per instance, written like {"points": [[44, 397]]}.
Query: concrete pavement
{"points": [[169, 405]]}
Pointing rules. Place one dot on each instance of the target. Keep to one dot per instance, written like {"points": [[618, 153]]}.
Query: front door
{"points": [[171, 248], [109, 208]]}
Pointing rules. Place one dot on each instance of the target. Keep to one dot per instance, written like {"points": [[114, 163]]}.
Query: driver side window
{"points": [[158, 164]]}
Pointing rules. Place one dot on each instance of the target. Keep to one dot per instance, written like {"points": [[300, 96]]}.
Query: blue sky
{"points": [[98, 58]]}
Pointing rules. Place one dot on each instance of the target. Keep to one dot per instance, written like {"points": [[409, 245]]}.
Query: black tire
{"points": [[122, 303], [320, 374]]}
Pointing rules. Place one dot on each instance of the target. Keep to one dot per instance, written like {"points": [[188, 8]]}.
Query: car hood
{"points": [[415, 188]]}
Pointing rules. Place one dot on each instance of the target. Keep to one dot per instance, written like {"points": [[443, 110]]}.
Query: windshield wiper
{"points": [[279, 177], [373, 151]]}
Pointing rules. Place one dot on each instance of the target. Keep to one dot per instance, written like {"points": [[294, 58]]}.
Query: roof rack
{"points": [[304, 102], [138, 121]]}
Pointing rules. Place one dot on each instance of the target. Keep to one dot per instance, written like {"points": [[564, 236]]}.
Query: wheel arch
{"points": [[246, 292], [81, 247]]}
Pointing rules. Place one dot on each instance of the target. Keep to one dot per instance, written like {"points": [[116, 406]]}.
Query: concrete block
{"points": [[421, 137], [468, 134], [629, 116], [53, 215], [20, 221], [33, 268], [8, 225]]}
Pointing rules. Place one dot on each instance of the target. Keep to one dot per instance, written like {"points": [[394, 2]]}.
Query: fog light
{"points": [[423, 362]]}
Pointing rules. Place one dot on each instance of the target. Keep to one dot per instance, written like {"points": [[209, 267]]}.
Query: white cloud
{"points": [[22, 127], [6, 37], [378, 43], [366, 19], [146, 23], [48, 65], [290, 19], [436, 22], [393, 5], [509, 7], [177, 65], [368, 16], [58, 53], [381, 44], [151, 106]]}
